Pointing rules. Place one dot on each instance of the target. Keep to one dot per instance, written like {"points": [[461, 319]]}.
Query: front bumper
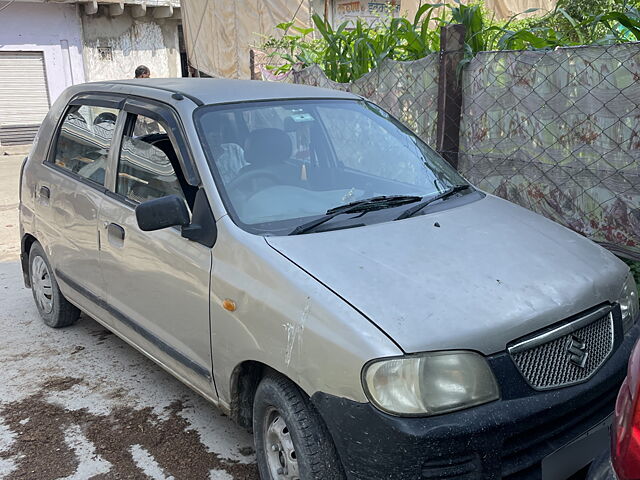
{"points": [[507, 438]]}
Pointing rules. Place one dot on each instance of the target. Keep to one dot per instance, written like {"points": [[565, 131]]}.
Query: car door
{"points": [[157, 282], [69, 195]]}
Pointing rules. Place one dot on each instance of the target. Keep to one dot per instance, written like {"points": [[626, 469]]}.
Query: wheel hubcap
{"points": [[41, 285], [280, 452]]}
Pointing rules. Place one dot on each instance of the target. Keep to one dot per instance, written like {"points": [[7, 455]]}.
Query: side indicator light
{"points": [[229, 304]]}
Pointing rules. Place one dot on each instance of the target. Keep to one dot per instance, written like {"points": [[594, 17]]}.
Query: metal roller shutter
{"points": [[24, 97]]}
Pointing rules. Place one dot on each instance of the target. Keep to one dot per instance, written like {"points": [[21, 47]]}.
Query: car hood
{"points": [[474, 277]]}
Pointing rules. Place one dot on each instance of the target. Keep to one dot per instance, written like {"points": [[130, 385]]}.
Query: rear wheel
{"points": [[55, 310], [292, 441]]}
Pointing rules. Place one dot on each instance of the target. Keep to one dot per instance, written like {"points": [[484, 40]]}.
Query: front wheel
{"points": [[292, 441], [55, 310]]}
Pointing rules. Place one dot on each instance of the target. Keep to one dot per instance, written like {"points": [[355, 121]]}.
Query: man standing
{"points": [[142, 72]]}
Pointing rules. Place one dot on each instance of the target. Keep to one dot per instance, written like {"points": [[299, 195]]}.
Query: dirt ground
{"points": [[79, 403]]}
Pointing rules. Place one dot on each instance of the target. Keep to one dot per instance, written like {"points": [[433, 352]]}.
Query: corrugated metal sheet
{"points": [[24, 97], [17, 135]]}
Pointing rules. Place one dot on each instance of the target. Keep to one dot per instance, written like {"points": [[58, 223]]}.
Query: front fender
{"points": [[286, 320]]}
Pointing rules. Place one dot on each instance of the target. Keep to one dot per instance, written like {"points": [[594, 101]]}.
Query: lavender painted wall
{"points": [[53, 29]]}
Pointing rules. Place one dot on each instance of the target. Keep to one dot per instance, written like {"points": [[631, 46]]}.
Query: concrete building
{"points": [[48, 46]]}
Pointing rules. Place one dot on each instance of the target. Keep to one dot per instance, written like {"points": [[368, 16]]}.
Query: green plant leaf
{"points": [[284, 25], [427, 8], [574, 24], [302, 30]]}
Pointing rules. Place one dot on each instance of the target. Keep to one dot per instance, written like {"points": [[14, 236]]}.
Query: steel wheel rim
{"points": [[279, 449], [41, 284]]}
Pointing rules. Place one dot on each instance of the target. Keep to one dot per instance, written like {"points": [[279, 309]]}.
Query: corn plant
{"points": [[355, 48], [352, 52]]}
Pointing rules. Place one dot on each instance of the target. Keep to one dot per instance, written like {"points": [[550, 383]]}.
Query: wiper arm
{"points": [[376, 203], [409, 212], [359, 206]]}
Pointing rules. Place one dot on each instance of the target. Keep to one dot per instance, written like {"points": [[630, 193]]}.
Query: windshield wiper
{"points": [[409, 212], [359, 206]]}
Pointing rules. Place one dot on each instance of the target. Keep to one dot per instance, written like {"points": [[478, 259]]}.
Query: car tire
{"points": [[292, 441], [55, 310]]}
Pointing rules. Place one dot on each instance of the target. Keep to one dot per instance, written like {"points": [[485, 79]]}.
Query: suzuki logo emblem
{"points": [[577, 351]]}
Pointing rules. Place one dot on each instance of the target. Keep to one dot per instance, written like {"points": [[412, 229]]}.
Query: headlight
{"points": [[430, 383], [628, 302]]}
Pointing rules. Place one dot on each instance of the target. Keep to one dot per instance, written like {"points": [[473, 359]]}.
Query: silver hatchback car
{"points": [[310, 266]]}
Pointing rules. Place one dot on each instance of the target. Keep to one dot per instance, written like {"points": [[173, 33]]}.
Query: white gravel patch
{"points": [[148, 464], [219, 437], [90, 464], [220, 475], [7, 437], [81, 397]]}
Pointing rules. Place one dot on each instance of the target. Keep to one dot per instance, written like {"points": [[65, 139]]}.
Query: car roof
{"points": [[217, 90]]}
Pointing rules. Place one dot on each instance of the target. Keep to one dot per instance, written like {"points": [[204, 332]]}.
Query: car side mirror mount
{"points": [[169, 211], [202, 228]]}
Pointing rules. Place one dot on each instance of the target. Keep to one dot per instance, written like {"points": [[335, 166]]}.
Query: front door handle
{"points": [[115, 234], [43, 195]]}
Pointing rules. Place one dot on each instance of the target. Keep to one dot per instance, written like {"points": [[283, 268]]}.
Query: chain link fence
{"points": [[557, 132], [407, 90], [261, 65]]}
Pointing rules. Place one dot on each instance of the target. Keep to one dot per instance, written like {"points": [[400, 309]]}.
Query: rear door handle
{"points": [[115, 234]]}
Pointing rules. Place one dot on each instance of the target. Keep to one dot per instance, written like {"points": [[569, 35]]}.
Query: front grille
{"points": [[568, 355]]}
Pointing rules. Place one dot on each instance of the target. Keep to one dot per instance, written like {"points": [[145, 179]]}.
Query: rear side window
{"points": [[84, 141], [147, 158]]}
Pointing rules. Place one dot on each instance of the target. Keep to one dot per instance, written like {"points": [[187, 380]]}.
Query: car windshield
{"points": [[281, 164]]}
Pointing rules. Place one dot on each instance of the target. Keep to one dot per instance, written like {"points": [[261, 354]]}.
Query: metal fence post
{"points": [[252, 64], [450, 92]]}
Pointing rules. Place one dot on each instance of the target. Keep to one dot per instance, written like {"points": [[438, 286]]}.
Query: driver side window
{"points": [[148, 162]]}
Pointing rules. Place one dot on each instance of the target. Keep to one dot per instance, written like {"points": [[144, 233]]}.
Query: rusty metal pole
{"points": [[450, 92], [252, 64]]}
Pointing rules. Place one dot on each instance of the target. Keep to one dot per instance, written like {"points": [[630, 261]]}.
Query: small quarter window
{"points": [[148, 163], [84, 141]]}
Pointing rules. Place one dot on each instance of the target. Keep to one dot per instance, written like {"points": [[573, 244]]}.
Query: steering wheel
{"points": [[248, 183]]}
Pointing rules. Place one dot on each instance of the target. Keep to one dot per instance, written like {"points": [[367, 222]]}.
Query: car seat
{"points": [[269, 149]]}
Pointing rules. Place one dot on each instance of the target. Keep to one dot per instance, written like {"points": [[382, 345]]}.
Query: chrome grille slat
{"points": [[548, 365]]}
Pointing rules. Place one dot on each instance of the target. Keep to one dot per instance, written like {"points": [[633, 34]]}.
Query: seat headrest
{"points": [[105, 117], [267, 146]]}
